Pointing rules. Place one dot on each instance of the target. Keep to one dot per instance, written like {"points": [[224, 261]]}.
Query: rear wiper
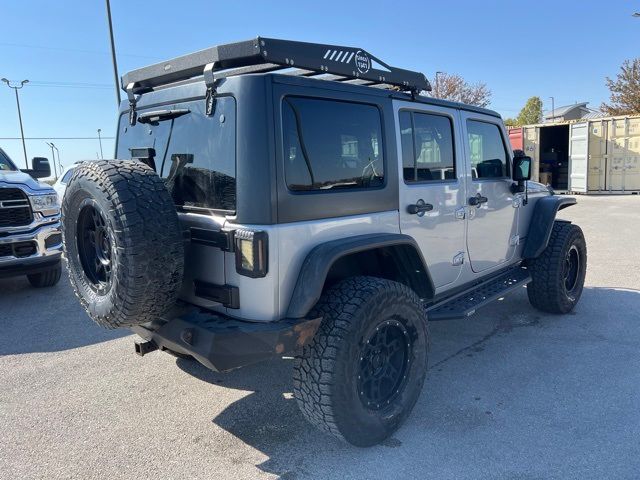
{"points": [[160, 115]]}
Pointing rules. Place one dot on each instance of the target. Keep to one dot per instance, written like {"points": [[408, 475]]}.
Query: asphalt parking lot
{"points": [[511, 393]]}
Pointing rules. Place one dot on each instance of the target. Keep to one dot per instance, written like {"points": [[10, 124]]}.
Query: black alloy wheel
{"points": [[94, 247], [571, 270], [383, 366]]}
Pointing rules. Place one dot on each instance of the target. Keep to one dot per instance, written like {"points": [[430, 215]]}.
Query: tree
{"points": [[531, 112], [625, 90], [454, 87]]}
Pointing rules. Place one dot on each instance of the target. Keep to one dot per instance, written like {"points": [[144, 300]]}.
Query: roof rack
{"points": [[330, 62]]}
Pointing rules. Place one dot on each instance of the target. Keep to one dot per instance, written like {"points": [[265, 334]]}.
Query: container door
{"points": [[598, 155], [617, 155], [624, 144], [532, 149], [578, 156], [432, 195], [632, 160], [492, 209]]}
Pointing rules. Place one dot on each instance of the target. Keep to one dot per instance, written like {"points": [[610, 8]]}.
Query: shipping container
{"points": [[600, 155], [516, 139], [611, 147]]}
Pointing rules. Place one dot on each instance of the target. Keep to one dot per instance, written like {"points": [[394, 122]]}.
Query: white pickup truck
{"points": [[30, 238]]}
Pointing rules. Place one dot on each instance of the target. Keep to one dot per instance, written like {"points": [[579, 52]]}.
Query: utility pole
{"points": [[15, 89], [113, 53], [100, 140], [553, 109], [53, 158]]}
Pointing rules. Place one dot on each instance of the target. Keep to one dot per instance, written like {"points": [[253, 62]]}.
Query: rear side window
{"points": [[487, 151], [331, 145], [427, 147], [67, 176]]}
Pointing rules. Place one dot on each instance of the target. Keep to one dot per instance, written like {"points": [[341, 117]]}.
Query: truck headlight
{"points": [[47, 204], [251, 253]]}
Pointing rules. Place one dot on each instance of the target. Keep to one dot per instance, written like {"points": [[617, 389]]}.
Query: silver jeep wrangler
{"points": [[277, 198]]}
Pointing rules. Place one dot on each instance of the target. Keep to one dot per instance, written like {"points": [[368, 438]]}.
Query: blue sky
{"points": [[519, 48]]}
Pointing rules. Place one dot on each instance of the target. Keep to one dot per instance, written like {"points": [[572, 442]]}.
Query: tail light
{"points": [[251, 253]]}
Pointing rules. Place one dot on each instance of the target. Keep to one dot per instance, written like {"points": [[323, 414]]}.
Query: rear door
{"points": [[432, 186], [492, 209]]}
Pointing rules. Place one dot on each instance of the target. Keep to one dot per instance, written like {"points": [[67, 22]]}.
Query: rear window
{"points": [[331, 145], [195, 153]]}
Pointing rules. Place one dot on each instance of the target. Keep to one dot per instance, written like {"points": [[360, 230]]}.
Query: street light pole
{"points": [[100, 140], [113, 53], [553, 109], [58, 152], [53, 158], [15, 89]]}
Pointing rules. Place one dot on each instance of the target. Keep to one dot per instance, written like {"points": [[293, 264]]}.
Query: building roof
{"points": [[562, 111], [594, 114]]}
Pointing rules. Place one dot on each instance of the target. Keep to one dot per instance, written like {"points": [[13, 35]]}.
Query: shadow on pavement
{"points": [[268, 418], [45, 319]]}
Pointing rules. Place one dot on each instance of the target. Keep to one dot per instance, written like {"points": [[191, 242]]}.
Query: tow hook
{"points": [[142, 348]]}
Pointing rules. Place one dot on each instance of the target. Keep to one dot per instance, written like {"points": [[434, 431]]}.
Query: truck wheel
{"points": [[558, 273], [48, 278], [362, 373], [123, 242]]}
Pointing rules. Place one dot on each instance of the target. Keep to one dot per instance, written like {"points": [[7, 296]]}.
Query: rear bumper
{"points": [[47, 250], [221, 343]]}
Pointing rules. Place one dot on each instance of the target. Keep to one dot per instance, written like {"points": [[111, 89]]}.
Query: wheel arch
{"points": [[392, 255], [541, 225]]}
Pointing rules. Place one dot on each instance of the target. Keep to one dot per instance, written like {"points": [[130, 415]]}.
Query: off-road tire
{"points": [[145, 247], [325, 381], [548, 290], [48, 278]]}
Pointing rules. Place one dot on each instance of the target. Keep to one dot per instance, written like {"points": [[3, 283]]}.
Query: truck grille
{"points": [[19, 249], [15, 210]]}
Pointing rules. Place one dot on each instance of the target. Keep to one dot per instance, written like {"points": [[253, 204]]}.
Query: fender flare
{"points": [[320, 259], [544, 214]]}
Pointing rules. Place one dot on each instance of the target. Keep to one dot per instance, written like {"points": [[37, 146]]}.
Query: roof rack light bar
{"points": [[332, 59]]}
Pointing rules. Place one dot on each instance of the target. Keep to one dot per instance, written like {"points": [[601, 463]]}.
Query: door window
{"points": [[487, 151], [427, 147]]}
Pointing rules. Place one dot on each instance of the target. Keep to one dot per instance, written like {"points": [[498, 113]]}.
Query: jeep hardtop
{"points": [[276, 198]]}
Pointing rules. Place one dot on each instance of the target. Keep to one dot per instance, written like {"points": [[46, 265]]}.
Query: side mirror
{"points": [[521, 168], [40, 168]]}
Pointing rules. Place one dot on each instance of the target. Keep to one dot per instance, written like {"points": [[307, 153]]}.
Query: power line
{"points": [[56, 138], [70, 85], [74, 50]]}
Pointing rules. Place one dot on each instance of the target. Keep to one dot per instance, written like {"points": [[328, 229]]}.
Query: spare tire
{"points": [[123, 242]]}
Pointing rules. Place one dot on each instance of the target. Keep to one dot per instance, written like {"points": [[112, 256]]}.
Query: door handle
{"points": [[419, 208], [477, 200]]}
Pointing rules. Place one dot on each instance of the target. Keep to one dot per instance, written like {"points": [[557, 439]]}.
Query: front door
{"points": [[492, 209], [431, 187]]}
